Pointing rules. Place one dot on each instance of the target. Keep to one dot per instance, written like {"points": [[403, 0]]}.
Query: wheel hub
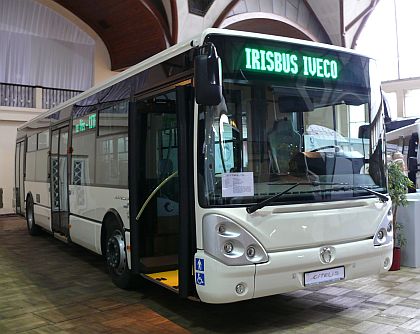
{"points": [[115, 252]]}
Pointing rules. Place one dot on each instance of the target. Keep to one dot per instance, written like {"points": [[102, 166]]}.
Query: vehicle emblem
{"points": [[326, 254]]}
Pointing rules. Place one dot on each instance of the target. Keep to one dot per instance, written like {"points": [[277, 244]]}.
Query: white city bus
{"points": [[225, 168]]}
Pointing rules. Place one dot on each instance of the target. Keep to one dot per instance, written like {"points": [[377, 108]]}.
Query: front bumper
{"points": [[285, 270]]}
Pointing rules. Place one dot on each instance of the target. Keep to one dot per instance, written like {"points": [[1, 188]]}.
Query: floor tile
{"points": [[372, 328], [66, 289]]}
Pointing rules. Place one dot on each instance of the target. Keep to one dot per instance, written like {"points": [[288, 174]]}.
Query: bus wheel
{"points": [[116, 256], [33, 229]]}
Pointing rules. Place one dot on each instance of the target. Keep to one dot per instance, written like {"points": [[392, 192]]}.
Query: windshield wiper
{"points": [[260, 205], [382, 197], [345, 186]]}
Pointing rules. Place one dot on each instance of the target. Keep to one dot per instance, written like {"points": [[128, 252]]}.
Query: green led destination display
{"points": [[289, 63], [85, 123], [277, 62]]}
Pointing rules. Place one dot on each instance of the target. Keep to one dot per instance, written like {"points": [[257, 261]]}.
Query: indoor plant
{"points": [[398, 184]]}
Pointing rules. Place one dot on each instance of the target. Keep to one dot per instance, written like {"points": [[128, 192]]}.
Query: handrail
{"points": [[154, 192], [17, 95]]}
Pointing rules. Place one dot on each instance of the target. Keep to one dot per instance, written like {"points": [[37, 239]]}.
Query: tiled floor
{"points": [[50, 287]]}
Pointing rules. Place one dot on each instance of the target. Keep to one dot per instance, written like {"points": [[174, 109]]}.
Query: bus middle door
{"points": [[58, 179]]}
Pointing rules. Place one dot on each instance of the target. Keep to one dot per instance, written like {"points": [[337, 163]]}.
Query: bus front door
{"points": [[159, 220], [155, 193], [58, 179]]}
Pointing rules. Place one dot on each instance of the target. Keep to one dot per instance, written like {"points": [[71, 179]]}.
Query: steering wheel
{"points": [[337, 148]]}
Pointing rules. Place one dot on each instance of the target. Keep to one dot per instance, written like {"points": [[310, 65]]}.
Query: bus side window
{"points": [[112, 146]]}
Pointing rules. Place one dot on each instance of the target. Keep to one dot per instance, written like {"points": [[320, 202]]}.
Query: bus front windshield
{"points": [[264, 138]]}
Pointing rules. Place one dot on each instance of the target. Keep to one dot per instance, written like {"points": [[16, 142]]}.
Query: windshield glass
{"points": [[267, 135]]}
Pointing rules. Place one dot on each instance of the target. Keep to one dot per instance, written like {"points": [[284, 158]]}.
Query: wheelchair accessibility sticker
{"points": [[199, 278], [199, 272], [199, 264]]}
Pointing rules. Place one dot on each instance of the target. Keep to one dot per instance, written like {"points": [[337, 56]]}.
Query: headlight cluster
{"points": [[384, 233], [231, 243]]}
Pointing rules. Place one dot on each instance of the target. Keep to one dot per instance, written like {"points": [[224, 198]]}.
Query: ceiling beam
{"points": [[342, 28], [224, 13], [158, 17], [367, 12], [174, 15]]}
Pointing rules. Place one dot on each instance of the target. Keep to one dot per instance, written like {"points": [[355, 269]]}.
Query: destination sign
{"points": [[85, 123], [278, 62], [289, 63]]}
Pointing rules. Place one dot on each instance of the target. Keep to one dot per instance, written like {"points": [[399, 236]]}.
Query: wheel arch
{"points": [[111, 215], [33, 229], [28, 195]]}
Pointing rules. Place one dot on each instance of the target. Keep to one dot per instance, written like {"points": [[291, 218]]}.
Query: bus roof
{"points": [[405, 131], [228, 32], [173, 51], [154, 60]]}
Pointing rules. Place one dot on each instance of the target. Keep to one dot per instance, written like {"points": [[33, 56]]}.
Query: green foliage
{"points": [[400, 239], [398, 184]]}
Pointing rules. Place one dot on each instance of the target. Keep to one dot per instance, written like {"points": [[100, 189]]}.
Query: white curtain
{"points": [[41, 48]]}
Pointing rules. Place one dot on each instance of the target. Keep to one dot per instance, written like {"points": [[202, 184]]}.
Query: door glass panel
{"points": [[21, 177], [160, 219], [17, 178], [64, 135], [55, 184], [63, 169], [59, 188], [54, 141]]}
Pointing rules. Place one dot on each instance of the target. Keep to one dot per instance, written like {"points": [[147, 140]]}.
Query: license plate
{"points": [[324, 276]]}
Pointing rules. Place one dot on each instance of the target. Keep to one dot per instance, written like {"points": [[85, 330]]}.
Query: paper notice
{"points": [[238, 184]]}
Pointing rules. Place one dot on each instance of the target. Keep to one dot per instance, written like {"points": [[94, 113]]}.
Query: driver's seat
{"points": [[283, 143]]}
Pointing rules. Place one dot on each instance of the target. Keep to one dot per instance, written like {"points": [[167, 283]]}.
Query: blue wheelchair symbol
{"points": [[199, 279]]}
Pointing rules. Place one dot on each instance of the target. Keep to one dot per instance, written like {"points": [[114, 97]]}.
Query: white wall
{"points": [[10, 119], [7, 161], [190, 25], [102, 66], [400, 87]]}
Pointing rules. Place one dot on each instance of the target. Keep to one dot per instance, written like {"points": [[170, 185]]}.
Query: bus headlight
{"points": [[231, 243], [384, 232], [228, 247], [381, 235], [250, 251]]}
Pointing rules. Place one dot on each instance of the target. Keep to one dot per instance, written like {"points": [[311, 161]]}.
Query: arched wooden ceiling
{"points": [[132, 30], [267, 26]]}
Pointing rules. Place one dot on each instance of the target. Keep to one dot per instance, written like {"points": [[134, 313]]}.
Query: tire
{"points": [[116, 256], [33, 229]]}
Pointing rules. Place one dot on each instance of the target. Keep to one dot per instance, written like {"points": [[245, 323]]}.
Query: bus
{"points": [[225, 168]]}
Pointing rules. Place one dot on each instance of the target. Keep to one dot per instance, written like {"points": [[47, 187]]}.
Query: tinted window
{"points": [[114, 119], [112, 160], [112, 146], [30, 166], [43, 140], [32, 143], [41, 165]]}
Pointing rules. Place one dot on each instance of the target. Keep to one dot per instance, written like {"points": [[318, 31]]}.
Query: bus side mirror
{"points": [[208, 77]]}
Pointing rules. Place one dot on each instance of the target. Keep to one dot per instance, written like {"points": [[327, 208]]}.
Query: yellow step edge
{"points": [[168, 278]]}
